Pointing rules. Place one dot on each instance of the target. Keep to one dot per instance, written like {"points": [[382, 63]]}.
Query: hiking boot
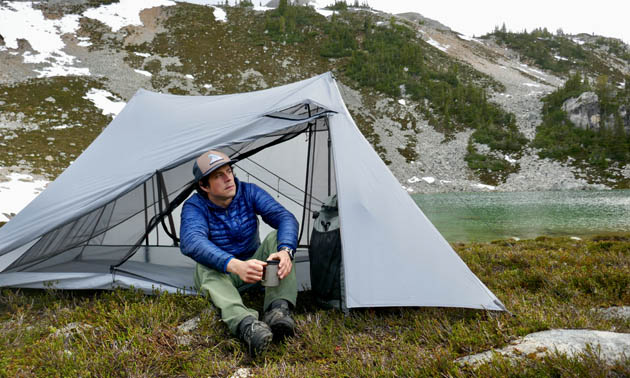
{"points": [[278, 317], [255, 334]]}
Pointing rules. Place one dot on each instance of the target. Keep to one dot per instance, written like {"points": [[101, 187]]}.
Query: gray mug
{"points": [[270, 274]]}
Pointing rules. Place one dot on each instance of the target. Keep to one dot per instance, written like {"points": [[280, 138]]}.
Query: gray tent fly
{"points": [[111, 218]]}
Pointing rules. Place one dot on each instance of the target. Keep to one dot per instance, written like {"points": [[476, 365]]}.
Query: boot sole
{"points": [[265, 343]]}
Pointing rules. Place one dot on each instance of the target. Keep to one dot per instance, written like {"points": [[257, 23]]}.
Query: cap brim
{"points": [[229, 162]]}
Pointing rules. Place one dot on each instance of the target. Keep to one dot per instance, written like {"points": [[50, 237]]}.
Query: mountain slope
{"points": [[446, 112]]}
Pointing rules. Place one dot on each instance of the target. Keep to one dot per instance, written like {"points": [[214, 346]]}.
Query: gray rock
{"points": [[584, 111], [183, 336], [609, 346], [70, 331], [621, 312], [242, 373], [189, 325]]}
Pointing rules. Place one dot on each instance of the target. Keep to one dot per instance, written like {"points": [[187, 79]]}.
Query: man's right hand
{"points": [[249, 271]]}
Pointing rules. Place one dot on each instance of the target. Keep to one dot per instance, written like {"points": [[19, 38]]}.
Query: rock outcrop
{"points": [[584, 111], [609, 346]]}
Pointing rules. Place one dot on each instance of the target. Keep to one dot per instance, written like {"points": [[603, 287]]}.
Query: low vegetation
{"points": [[60, 123], [546, 283], [561, 53]]}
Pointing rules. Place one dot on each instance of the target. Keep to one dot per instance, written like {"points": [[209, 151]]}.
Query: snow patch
{"points": [[429, 179], [190, 77], [142, 72], [84, 42], [144, 55], [18, 192], [262, 8], [532, 85], [319, 6], [509, 159], [100, 98], [21, 21], [124, 13], [219, 14], [408, 189], [61, 127], [578, 41], [437, 44], [61, 70], [402, 102], [413, 180], [484, 186]]}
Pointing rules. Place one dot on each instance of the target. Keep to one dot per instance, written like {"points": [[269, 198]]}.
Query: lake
{"points": [[486, 216]]}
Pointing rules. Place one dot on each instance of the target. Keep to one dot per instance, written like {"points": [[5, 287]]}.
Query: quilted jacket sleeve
{"points": [[275, 215], [194, 241]]}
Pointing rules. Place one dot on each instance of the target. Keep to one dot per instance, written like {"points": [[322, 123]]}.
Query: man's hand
{"points": [[249, 271], [284, 268]]}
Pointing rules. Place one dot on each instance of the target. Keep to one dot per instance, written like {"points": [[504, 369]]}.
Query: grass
{"points": [[546, 283]]}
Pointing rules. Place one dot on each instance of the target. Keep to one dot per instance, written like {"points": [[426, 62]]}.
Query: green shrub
{"points": [[338, 5], [291, 23], [557, 53]]}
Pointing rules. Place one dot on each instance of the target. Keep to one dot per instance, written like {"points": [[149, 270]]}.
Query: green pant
{"points": [[223, 288]]}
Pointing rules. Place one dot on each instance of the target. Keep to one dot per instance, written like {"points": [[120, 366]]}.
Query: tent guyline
{"points": [[97, 225]]}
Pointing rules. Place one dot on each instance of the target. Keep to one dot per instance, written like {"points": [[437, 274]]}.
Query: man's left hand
{"points": [[285, 266]]}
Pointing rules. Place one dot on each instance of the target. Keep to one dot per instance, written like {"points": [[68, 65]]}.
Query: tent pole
{"points": [[329, 142], [307, 198], [146, 214], [155, 211], [309, 189], [162, 185]]}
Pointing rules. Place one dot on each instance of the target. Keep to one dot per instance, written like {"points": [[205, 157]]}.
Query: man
{"points": [[219, 230]]}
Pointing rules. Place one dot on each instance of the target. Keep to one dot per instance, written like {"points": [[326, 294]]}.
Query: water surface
{"points": [[488, 216]]}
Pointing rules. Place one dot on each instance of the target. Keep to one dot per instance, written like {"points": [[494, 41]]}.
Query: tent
{"points": [[111, 218]]}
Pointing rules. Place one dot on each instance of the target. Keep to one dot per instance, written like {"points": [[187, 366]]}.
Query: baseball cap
{"points": [[208, 162]]}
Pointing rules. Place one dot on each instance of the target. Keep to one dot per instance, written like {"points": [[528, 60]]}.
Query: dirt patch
{"points": [[152, 20]]}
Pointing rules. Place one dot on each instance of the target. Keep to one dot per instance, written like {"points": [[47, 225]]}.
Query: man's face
{"points": [[221, 185]]}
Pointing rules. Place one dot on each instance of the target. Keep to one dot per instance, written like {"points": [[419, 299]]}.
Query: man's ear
{"points": [[203, 187]]}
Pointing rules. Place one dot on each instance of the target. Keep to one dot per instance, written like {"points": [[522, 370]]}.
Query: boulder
{"points": [[584, 111], [609, 346]]}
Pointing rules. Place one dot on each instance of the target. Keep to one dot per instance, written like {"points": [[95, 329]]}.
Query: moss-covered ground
{"points": [[60, 122], [545, 283]]}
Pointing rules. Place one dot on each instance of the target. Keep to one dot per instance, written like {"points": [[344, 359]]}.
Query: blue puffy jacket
{"points": [[213, 235]]}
